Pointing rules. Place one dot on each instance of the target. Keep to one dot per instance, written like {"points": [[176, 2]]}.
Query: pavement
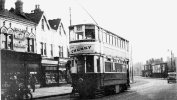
{"points": [[45, 92]]}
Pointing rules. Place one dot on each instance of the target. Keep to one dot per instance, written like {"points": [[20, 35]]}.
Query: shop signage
{"points": [[19, 38], [49, 62], [19, 34], [19, 45]]}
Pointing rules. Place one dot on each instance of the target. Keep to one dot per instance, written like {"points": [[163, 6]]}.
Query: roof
{"points": [[35, 17], [54, 23], [13, 15]]}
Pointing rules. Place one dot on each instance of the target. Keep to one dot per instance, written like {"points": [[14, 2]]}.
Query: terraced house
{"points": [[52, 44], [32, 44], [18, 45]]}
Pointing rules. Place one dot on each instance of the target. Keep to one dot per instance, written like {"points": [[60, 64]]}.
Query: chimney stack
{"points": [[2, 4], [19, 7], [37, 9]]}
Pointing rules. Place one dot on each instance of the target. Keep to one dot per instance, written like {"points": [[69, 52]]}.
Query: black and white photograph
{"points": [[88, 49]]}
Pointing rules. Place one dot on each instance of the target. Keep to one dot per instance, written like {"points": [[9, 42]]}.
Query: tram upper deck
{"points": [[91, 38]]}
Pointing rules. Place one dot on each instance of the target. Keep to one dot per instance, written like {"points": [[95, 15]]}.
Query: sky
{"points": [[149, 25]]}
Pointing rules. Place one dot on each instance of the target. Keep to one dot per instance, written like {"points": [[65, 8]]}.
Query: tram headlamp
{"points": [[81, 80]]}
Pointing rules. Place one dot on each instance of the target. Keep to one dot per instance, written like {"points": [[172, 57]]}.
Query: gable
{"points": [[54, 24], [43, 23]]}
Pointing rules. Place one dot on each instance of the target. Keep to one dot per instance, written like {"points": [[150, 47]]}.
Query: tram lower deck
{"points": [[92, 84]]}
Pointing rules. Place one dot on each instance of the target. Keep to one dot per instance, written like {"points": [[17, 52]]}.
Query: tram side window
{"points": [[108, 66], [104, 37], [118, 67], [98, 65], [124, 68], [107, 38], [89, 64], [89, 33]]}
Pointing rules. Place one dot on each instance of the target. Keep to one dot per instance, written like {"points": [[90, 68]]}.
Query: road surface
{"points": [[142, 89]]}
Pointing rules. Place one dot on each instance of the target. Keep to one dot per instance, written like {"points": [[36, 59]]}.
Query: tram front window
{"points": [[83, 62], [89, 34], [80, 64], [89, 64]]}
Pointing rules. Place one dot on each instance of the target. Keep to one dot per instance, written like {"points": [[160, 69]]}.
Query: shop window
{"points": [[30, 44], [89, 33]]}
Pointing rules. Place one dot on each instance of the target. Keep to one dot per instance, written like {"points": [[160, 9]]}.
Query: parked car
{"points": [[171, 77]]}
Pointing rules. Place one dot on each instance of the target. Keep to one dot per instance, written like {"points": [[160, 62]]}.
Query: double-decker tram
{"points": [[100, 61]]}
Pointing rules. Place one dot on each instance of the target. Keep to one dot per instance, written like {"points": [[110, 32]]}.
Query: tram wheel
{"points": [[27, 96]]}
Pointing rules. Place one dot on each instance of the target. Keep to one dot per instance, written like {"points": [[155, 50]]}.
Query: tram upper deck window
{"points": [[89, 32], [79, 35]]}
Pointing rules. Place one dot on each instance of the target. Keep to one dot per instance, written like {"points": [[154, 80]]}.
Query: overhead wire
{"points": [[86, 11]]}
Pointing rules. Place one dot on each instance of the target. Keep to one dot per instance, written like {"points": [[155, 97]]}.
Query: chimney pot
{"points": [[2, 4], [19, 6]]}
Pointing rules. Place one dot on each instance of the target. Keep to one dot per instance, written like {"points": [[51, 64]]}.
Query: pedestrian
{"points": [[32, 82], [68, 71]]}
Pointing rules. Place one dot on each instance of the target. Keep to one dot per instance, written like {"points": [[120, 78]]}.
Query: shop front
{"points": [[20, 65], [54, 71], [63, 71], [50, 71]]}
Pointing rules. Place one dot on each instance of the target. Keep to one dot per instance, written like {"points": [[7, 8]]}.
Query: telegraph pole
{"points": [[171, 61], [70, 15]]}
